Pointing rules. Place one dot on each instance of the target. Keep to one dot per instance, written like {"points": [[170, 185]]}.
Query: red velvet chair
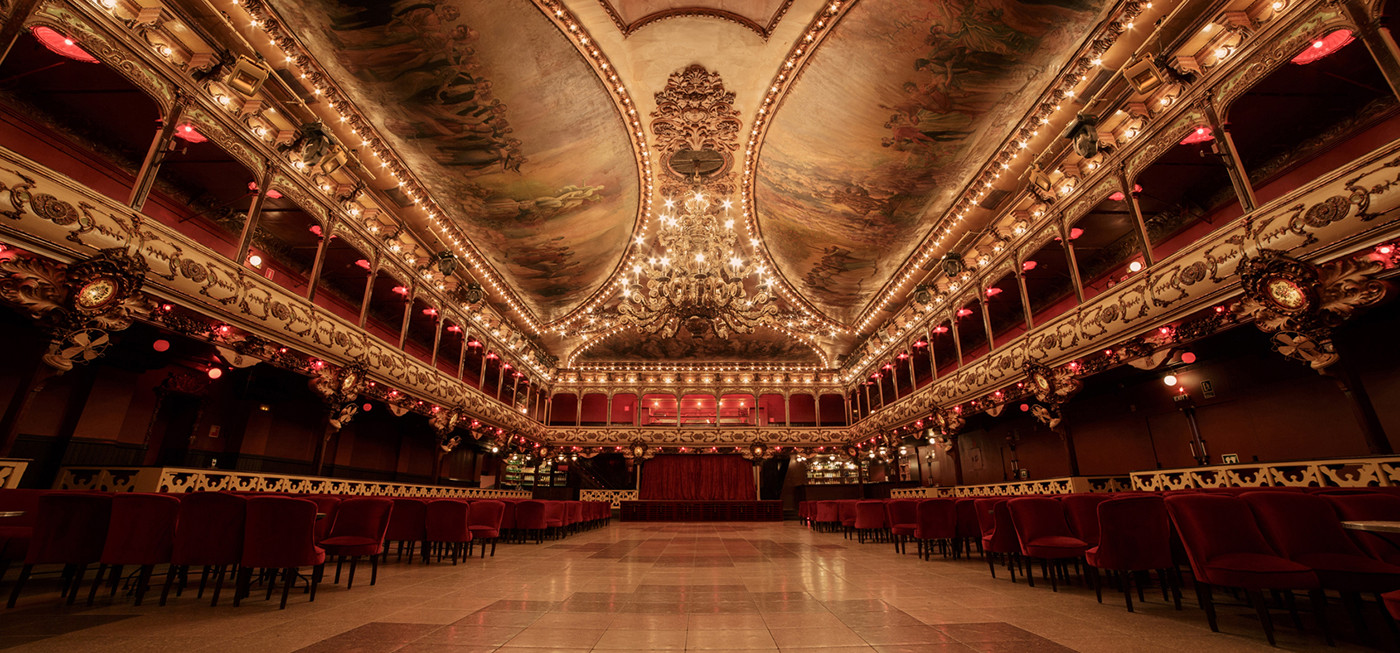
{"points": [[448, 529], [1305, 529], [280, 534], [326, 504], [208, 533], [508, 519], [141, 532], [935, 520], [408, 525], [1082, 511], [1226, 547], [1044, 534], [15, 532], [827, 516], [484, 521], [359, 530], [554, 517], [902, 516], [870, 519], [70, 529], [1370, 507], [529, 518], [846, 510], [969, 527], [1134, 538], [998, 535], [1391, 600], [573, 515]]}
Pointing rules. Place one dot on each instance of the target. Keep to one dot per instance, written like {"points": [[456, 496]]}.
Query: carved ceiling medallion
{"points": [[697, 131]]}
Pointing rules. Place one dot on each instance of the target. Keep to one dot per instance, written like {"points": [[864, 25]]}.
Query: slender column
{"points": [[1135, 211], [407, 313], [1350, 384], [1378, 40], [817, 408], [481, 378], [1073, 264], [913, 378], [501, 381], [894, 381], [869, 408], [369, 294], [986, 320], [846, 401], [1073, 456], [462, 357], [957, 340], [9, 31], [548, 408], [932, 360], [320, 264], [250, 226], [437, 340], [1025, 295], [160, 145], [1224, 146], [787, 409]]}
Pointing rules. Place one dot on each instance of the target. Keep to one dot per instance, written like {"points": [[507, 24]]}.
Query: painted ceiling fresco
{"points": [[504, 122], [763, 345], [891, 116]]}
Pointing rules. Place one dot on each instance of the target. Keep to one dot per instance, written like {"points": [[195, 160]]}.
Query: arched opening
{"points": [[422, 330], [1106, 243], [698, 411], [1049, 283], [832, 410], [344, 275], [972, 332], [624, 409], [658, 410], [563, 409], [944, 350], [1005, 310], [803, 410], [772, 410], [1185, 194], [737, 410], [285, 243], [594, 409], [386, 308], [450, 348]]}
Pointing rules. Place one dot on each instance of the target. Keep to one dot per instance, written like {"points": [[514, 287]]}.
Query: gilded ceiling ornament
{"points": [[756, 451], [340, 389], [79, 305], [444, 423], [696, 130], [1051, 386], [1301, 303]]}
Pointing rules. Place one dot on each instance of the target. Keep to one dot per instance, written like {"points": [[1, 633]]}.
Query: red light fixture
{"points": [[430, 312], [362, 264], [366, 408], [315, 229], [161, 345], [920, 343], [186, 132], [1324, 46], [1188, 358], [61, 45], [401, 290], [215, 372], [940, 329], [1199, 135], [454, 328], [1075, 233], [993, 292], [1027, 266], [964, 312]]}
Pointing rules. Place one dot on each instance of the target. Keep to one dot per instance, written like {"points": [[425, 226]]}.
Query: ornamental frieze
{"points": [[621, 437]]}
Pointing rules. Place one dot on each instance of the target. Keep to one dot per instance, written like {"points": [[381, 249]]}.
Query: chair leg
{"points": [[1293, 610], [339, 562], [1128, 590], [1054, 569], [1203, 595], [354, 562], [288, 575], [218, 584], [1319, 608], [143, 580], [241, 585], [992, 565], [1030, 577], [493, 546], [19, 584], [169, 580], [1098, 584], [373, 570], [97, 582], [317, 573], [1261, 608], [1352, 602]]}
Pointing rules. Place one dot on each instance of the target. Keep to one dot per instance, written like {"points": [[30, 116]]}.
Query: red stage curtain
{"points": [[697, 477]]}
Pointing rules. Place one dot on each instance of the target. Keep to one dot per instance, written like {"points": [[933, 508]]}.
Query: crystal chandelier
{"points": [[699, 274]]}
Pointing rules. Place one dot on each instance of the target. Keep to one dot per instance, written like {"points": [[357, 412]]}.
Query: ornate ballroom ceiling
{"points": [[865, 119]]}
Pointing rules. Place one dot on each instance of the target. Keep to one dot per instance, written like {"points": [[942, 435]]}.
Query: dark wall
{"points": [[110, 412], [1266, 408]]}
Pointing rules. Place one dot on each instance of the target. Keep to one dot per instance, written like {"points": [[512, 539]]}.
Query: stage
{"points": [[702, 511]]}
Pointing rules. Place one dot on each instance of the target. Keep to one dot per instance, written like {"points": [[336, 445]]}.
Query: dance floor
{"points": [[653, 587]]}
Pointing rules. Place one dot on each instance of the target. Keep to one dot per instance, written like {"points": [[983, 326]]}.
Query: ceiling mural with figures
{"points": [[856, 167], [763, 345], [487, 102]]}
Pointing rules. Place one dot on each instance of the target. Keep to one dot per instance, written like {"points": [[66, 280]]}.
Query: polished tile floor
{"points": [[655, 587]]}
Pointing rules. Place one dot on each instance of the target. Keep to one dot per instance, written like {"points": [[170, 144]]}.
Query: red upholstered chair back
{"points": [[1135, 534], [209, 529], [1212, 525], [490, 513], [998, 532], [408, 521], [280, 532], [23, 500], [1299, 524], [508, 514], [846, 511], [142, 529], [447, 521], [1370, 507], [1038, 517], [573, 512], [935, 519], [530, 515], [71, 528], [828, 511], [968, 523], [327, 504], [870, 514], [362, 517], [554, 513], [899, 512], [1082, 510]]}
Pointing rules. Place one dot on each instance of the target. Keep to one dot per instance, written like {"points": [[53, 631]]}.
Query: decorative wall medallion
{"points": [[697, 131], [1301, 303], [340, 389]]}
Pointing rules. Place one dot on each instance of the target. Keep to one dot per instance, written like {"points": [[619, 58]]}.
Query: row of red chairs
{"points": [[435, 523], [1249, 539], [219, 531]]}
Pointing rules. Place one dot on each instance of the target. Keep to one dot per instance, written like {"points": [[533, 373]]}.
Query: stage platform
{"points": [[702, 511]]}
